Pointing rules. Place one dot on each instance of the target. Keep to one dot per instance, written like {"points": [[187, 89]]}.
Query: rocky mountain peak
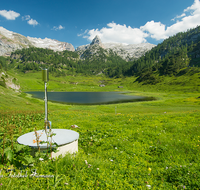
{"points": [[97, 40]]}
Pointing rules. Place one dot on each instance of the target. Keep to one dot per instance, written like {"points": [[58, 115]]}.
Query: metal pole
{"points": [[45, 78], [45, 100]]}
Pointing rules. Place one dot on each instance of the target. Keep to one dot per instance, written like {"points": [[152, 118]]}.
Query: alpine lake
{"points": [[89, 98]]}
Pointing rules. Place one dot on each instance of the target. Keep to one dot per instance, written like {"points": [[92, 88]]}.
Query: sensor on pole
{"points": [[45, 78]]}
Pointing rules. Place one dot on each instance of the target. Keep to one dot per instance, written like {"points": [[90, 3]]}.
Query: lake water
{"points": [[88, 97]]}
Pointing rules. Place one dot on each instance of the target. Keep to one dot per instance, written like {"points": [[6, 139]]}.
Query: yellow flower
{"points": [[149, 169]]}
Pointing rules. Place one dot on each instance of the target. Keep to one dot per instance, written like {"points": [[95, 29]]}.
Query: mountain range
{"points": [[125, 51], [176, 56], [11, 41]]}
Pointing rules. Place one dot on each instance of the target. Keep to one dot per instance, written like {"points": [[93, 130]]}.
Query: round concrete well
{"points": [[67, 141]]}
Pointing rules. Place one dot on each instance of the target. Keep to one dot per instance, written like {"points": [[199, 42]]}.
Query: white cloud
{"points": [[195, 8], [9, 15], [32, 22], [82, 34], [117, 33], [60, 27], [156, 30], [187, 22], [178, 16], [26, 17]]}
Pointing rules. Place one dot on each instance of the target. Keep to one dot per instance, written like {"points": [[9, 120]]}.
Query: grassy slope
{"points": [[142, 135]]}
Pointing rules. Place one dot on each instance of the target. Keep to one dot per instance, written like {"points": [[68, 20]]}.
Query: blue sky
{"points": [[79, 21]]}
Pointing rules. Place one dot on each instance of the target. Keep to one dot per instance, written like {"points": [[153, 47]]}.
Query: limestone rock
{"points": [[97, 41], [129, 50], [126, 51], [50, 44]]}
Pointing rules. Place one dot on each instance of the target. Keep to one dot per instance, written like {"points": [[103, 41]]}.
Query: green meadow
{"points": [[137, 145]]}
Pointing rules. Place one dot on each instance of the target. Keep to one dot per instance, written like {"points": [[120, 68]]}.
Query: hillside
{"points": [[177, 55]]}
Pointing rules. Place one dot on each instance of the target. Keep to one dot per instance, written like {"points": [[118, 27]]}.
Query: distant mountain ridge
{"points": [[11, 41], [126, 51]]}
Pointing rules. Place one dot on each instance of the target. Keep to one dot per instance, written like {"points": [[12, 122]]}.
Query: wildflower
{"points": [[148, 186], [111, 160], [74, 126], [41, 159], [89, 165], [115, 147], [149, 169], [1, 184], [66, 184], [183, 187], [97, 168], [166, 168], [86, 162]]}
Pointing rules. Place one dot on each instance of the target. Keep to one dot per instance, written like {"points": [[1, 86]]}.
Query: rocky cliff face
{"points": [[11, 41], [126, 51]]}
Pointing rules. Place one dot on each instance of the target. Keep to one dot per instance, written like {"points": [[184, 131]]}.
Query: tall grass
{"points": [[138, 145]]}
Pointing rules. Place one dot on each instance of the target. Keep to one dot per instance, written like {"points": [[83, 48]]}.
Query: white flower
{"points": [[115, 147], [86, 162], [148, 186], [89, 165], [97, 168], [111, 160], [166, 168], [41, 159]]}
